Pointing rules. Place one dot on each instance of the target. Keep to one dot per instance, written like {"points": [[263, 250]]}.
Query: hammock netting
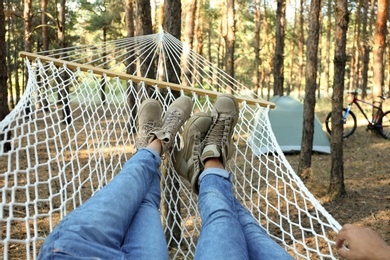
{"points": [[75, 127]]}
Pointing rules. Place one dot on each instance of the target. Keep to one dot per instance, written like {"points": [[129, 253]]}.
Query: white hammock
{"points": [[56, 162]]}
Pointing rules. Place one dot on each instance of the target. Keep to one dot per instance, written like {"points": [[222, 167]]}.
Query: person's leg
{"points": [[260, 245], [221, 235], [145, 238], [98, 227], [207, 142]]}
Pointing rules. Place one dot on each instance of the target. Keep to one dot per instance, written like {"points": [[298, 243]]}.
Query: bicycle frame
{"points": [[380, 121], [355, 100]]}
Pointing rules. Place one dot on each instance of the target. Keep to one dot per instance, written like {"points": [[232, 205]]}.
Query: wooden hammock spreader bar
{"points": [[125, 76]]}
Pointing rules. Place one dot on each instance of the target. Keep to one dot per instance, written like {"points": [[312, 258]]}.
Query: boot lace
{"points": [[219, 132], [172, 122]]}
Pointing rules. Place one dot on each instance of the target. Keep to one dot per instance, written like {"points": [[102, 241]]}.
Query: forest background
{"points": [[314, 50]]}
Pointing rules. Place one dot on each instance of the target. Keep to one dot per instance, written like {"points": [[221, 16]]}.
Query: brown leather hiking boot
{"points": [[178, 112], [149, 119], [218, 141], [187, 161]]}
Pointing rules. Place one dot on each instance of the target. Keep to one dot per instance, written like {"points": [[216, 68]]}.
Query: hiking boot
{"points": [[187, 161], [178, 112], [149, 119], [218, 142]]}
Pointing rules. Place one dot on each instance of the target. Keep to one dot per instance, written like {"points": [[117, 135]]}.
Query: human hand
{"points": [[362, 243]]}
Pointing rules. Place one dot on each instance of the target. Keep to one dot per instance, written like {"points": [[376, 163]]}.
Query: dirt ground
{"points": [[366, 177]]}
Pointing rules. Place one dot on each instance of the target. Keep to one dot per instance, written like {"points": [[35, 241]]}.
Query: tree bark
{"points": [[266, 69], [172, 25], [64, 92], [45, 43], [327, 49], [337, 187], [279, 47], [27, 42], [378, 51], [310, 90], [130, 66], [355, 80], [9, 60], [45, 33], [4, 110], [143, 26], [301, 48], [189, 32], [230, 39], [257, 21], [366, 56], [365, 48], [27, 25], [291, 76], [199, 41]]}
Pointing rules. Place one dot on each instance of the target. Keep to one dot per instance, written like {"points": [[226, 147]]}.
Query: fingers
{"points": [[339, 242], [343, 252], [342, 235], [348, 226]]}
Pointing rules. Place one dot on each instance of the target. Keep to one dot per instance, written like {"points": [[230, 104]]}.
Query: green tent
{"points": [[286, 121]]}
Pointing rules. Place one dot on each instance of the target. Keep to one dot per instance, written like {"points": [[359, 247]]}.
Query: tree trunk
{"points": [[188, 40], [291, 76], [301, 48], [327, 49], [199, 39], [319, 64], [279, 47], [143, 22], [45, 43], [27, 41], [4, 110], [27, 25], [16, 70], [352, 63], [310, 90], [379, 50], [172, 25], [336, 187], [9, 60], [66, 111], [355, 80], [367, 47], [265, 83], [257, 19], [130, 66], [129, 20], [230, 41]]}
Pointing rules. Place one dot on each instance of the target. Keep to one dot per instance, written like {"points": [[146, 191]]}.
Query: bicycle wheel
{"points": [[349, 126], [384, 125]]}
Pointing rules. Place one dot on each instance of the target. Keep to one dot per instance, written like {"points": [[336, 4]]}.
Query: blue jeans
{"points": [[122, 220], [229, 231]]}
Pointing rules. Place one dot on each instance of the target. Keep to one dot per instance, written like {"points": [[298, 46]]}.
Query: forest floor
{"points": [[366, 177]]}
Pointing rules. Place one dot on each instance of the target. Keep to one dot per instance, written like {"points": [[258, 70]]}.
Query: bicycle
{"points": [[380, 122]]}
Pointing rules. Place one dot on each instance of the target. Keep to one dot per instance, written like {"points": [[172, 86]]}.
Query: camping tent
{"points": [[287, 121]]}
